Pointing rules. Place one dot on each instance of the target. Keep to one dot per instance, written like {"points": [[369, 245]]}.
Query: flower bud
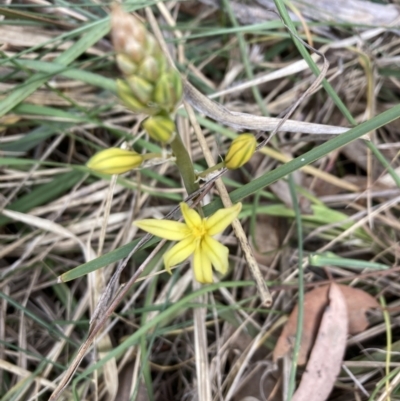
{"points": [[125, 94], [241, 150], [149, 69], [141, 89], [150, 84], [152, 46], [114, 161], [160, 128], [128, 34], [168, 90], [125, 64], [177, 85]]}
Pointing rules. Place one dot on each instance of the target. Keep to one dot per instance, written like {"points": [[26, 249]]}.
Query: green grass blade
{"points": [[104, 260], [46, 325], [35, 81], [308, 157], [384, 162], [243, 47], [254, 185], [55, 68], [300, 302], [326, 259], [32, 139], [311, 63]]}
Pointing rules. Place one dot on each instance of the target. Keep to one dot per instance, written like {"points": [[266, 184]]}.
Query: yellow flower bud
{"points": [[114, 161], [241, 150], [160, 127]]}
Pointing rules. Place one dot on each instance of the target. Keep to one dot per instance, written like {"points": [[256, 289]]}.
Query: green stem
{"points": [[218, 166], [149, 156], [184, 164]]}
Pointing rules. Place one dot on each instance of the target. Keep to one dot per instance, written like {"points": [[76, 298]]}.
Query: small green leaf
{"points": [[329, 258]]}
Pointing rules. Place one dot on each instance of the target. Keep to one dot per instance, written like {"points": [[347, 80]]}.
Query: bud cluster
{"points": [[152, 87], [150, 84]]}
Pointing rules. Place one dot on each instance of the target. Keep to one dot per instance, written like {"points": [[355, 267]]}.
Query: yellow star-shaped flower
{"points": [[195, 236]]}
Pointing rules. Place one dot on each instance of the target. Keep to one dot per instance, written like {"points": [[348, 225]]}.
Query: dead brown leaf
{"points": [[326, 356], [315, 301], [358, 302], [266, 238]]}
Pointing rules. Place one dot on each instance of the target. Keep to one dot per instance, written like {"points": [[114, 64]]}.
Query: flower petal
{"points": [[168, 229], [192, 218], [202, 266], [216, 253], [221, 219], [179, 252]]}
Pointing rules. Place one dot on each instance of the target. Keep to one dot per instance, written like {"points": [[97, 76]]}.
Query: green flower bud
{"points": [[152, 46], [114, 161], [163, 95], [125, 94], [168, 91], [160, 128], [149, 69], [178, 86], [125, 64], [141, 89], [241, 150]]}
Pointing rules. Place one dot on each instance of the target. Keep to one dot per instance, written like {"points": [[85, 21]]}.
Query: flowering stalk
{"points": [[205, 173], [150, 86], [185, 165]]}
